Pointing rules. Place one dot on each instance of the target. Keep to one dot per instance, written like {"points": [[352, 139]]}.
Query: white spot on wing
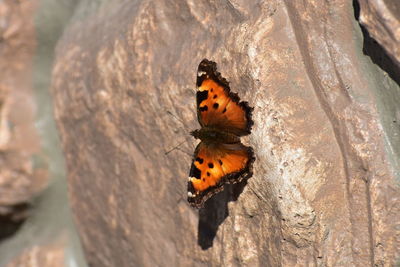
{"points": [[199, 73]]}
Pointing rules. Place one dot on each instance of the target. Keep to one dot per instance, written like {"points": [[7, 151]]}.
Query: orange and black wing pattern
{"points": [[220, 157], [217, 106], [215, 165]]}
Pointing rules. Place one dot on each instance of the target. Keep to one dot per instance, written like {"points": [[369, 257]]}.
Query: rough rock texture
{"points": [[52, 255], [382, 20], [325, 189], [22, 172], [35, 222]]}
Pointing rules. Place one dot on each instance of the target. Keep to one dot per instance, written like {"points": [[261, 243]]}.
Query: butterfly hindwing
{"points": [[217, 106], [214, 165]]}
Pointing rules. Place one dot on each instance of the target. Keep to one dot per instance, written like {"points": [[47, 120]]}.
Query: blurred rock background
{"points": [[36, 228], [325, 189]]}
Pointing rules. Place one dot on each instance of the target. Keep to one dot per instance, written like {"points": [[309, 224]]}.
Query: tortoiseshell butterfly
{"points": [[220, 157]]}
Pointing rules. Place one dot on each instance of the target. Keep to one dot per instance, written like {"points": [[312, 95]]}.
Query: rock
{"points": [[382, 20], [23, 172], [41, 255], [35, 223], [326, 135]]}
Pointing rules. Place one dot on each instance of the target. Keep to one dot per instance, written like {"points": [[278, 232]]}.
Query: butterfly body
{"points": [[220, 157], [214, 136]]}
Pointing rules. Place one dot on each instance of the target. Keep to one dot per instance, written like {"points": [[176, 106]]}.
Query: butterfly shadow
{"points": [[215, 211]]}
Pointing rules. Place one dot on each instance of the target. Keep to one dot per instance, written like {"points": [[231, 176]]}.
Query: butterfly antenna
{"points": [[178, 148], [176, 117], [184, 152]]}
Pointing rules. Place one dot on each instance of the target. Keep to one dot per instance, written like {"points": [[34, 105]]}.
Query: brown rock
{"points": [[42, 235], [41, 255], [325, 189], [21, 174], [382, 20]]}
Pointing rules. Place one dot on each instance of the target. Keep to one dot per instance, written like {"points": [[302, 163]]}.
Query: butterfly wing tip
{"points": [[206, 61]]}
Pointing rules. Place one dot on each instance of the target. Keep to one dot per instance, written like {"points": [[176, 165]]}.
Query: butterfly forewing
{"points": [[217, 106]]}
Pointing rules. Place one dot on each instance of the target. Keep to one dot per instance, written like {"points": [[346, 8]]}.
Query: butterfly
{"points": [[220, 157]]}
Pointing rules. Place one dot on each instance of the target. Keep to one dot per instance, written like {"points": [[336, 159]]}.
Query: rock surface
{"points": [[22, 173], [382, 20], [41, 255], [35, 229], [325, 189]]}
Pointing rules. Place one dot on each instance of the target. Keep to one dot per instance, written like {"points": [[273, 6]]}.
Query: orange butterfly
{"points": [[220, 157]]}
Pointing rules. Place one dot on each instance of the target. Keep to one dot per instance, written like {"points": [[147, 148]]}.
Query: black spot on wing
{"points": [[220, 162], [216, 105], [205, 108], [224, 110], [201, 96], [215, 96], [210, 165], [199, 160], [195, 172], [208, 174]]}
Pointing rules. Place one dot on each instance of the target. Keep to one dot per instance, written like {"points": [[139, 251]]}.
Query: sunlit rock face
{"points": [[326, 135]]}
